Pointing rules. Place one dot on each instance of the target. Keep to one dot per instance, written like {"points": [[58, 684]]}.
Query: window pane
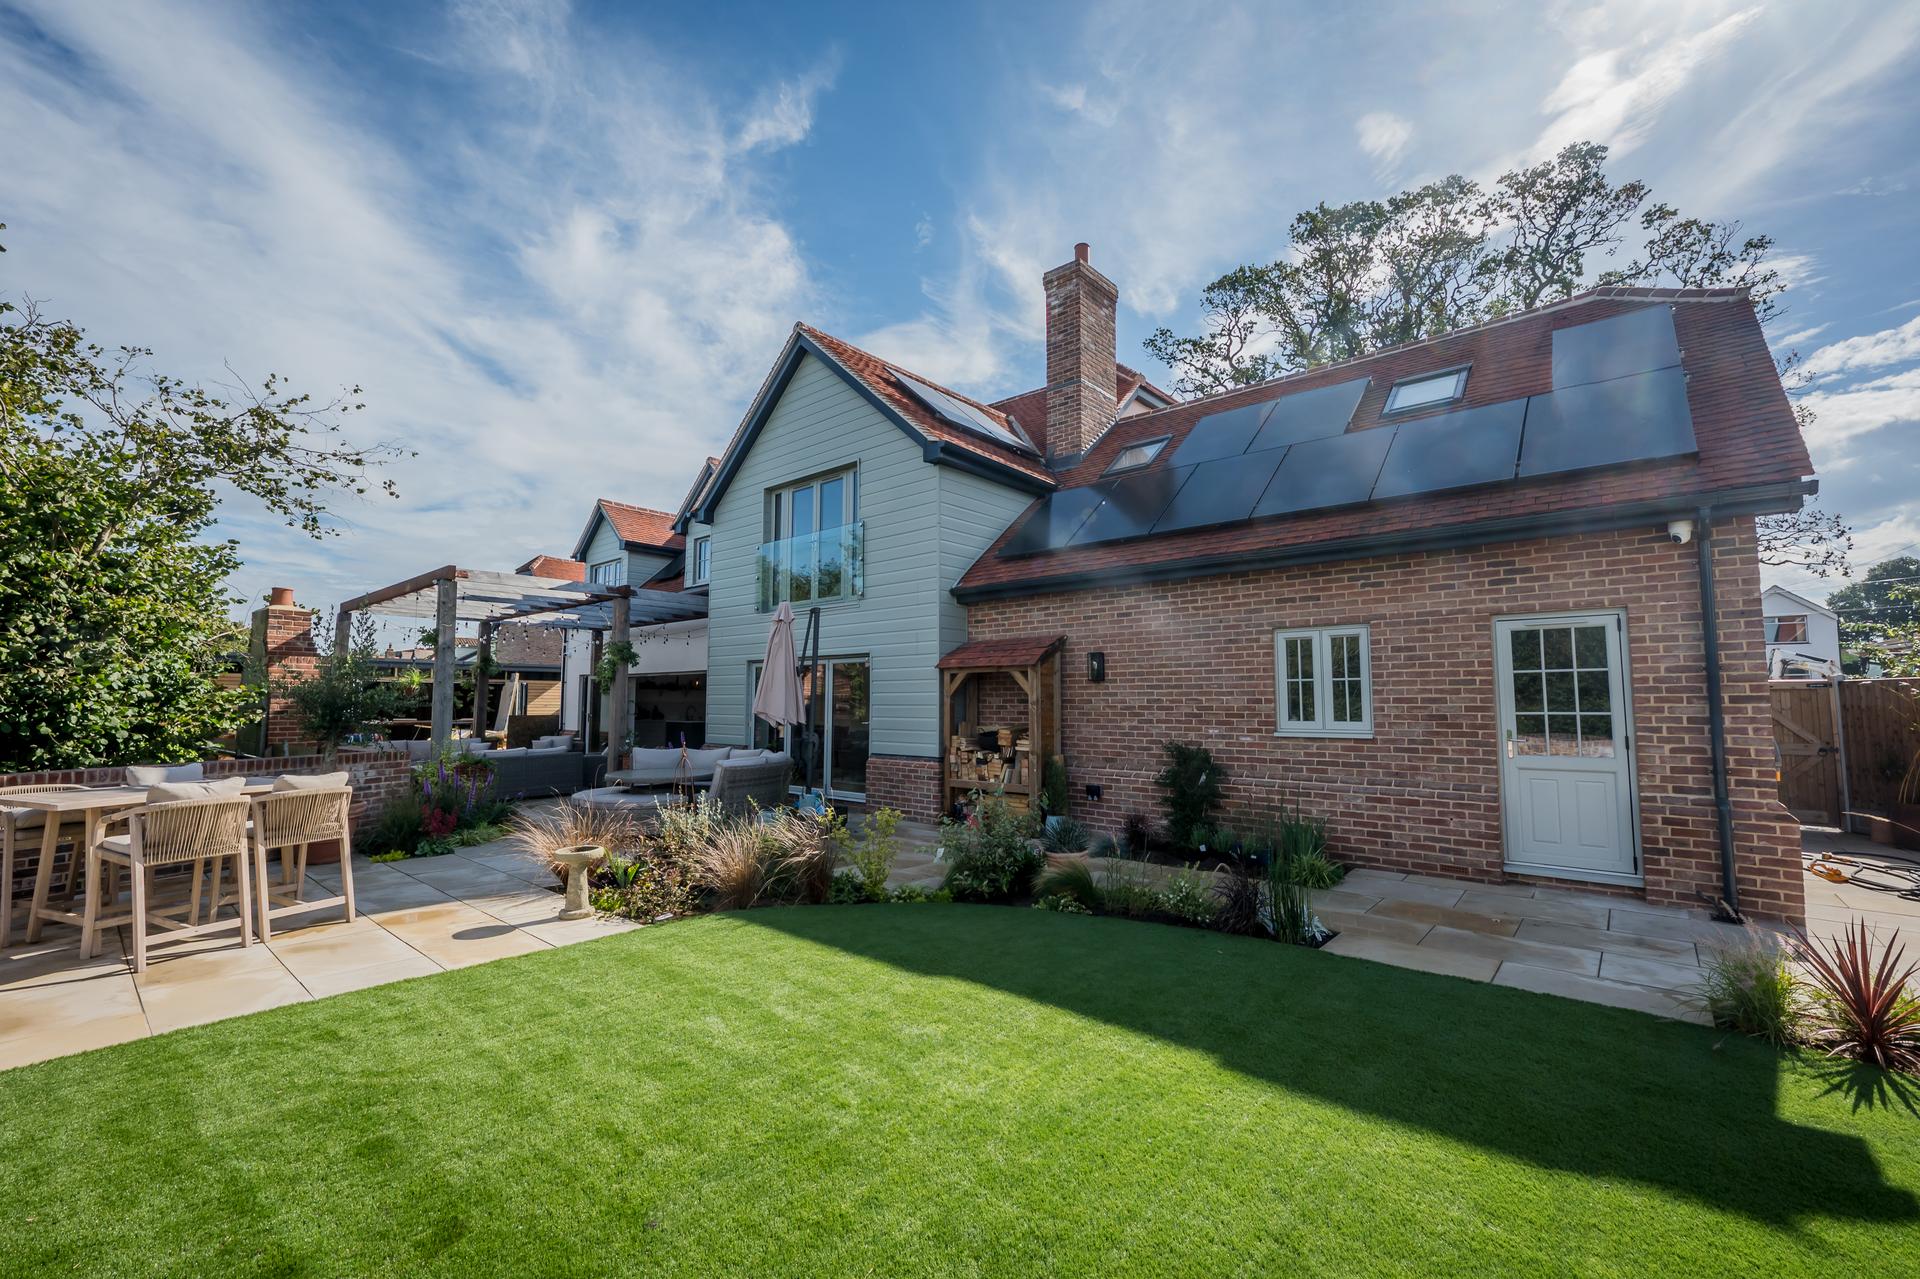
{"points": [[1563, 735], [1526, 649], [1344, 671], [833, 503], [803, 511], [1530, 734], [849, 721], [1594, 693], [1560, 691], [1591, 642], [1529, 694], [1596, 736], [1557, 648]]}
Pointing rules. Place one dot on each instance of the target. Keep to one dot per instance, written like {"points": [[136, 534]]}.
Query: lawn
{"points": [[952, 1090]]}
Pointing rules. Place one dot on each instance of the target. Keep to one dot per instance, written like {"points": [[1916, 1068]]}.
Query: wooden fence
{"points": [[1843, 744]]}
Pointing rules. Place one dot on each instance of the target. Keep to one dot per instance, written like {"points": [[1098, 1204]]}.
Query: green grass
{"points": [[951, 1090]]}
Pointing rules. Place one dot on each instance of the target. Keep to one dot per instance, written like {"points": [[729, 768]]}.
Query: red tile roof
{"points": [[555, 566], [1029, 408], [1745, 428], [642, 526], [877, 375], [1010, 651]]}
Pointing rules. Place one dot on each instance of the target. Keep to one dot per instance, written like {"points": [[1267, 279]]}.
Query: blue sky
{"points": [[559, 244]]}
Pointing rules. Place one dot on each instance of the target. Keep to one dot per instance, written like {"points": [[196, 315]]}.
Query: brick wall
{"points": [[906, 782], [1193, 661], [283, 634], [1080, 355], [376, 776]]}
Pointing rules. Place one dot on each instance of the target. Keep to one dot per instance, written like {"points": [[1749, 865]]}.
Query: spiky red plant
{"points": [[1869, 1013]]}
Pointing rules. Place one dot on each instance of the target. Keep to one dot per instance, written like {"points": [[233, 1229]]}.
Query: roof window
{"points": [[1135, 456], [1427, 390]]}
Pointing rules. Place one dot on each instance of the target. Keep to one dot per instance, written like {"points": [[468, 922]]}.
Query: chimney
{"points": [[1080, 357]]}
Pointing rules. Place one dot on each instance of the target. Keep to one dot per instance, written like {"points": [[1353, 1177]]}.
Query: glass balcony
{"points": [[814, 567]]}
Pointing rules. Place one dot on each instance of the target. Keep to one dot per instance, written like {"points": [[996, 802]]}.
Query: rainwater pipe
{"points": [[1729, 904]]}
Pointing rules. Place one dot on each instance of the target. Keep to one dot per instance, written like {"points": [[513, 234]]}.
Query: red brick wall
{"points": [[286, 630], [376, 777], [1193, 661], [1080, 356], [905, 782]]}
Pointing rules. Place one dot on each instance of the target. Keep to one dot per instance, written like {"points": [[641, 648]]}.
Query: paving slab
{"points": [[1637, 969], [1603, 939], [216, 996], [1467, 920], [1597, 990], [1571, 959], [1547, 909], [1408, 932], [1420, 958]]}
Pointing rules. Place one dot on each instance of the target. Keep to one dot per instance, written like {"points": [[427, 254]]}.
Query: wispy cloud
{"points": [[1384, 136], [1868, 351], [1843, 416]]}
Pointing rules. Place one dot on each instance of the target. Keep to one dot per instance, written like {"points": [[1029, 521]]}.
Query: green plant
{"points": [[1863, 1007], [397, 855], [1070, 876], [1187, 895], [401, 826], [1239, 906], [345, 694], [802, 851], [915, 893], [550, 830], [874, 853], [484, 833], [1136, 832], [1064, 905], [615, 657], [1053, 789], [1314, 869], [732, 864], [848, 890], [1193, 782], [992, 859], [1753, 990], [1066, 836], [1290, 904], [1127, 889], [435, 846]]}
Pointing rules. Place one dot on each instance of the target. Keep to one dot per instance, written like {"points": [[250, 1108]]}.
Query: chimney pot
{"points": [[282, 597], [1080, 251]]}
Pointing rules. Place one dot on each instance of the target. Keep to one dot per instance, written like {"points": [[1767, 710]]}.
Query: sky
{"points": [[559, 245]]}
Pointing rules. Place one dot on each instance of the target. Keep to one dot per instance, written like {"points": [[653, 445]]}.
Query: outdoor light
{"points": [[1096, 667]]}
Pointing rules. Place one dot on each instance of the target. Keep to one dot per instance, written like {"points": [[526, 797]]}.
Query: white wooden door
{"points": [[1566, 761]]}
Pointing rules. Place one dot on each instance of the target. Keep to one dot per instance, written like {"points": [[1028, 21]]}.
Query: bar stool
{"points": [[165, 834], [287, 822]]}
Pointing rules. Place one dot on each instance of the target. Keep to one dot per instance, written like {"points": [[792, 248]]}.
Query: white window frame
{"points": [[1154, 447], [702, 560], [1776, 624], [1457, 376], [618, 577], [1322, 724]]}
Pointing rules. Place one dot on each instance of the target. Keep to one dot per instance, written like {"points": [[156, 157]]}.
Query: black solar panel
{"points": [[1636, 342], [1131, 505], [1057, 518], [1222, 491], [1336, 471], [1630, 419], [1453, 450], [1310, 415], [1224, 434]]}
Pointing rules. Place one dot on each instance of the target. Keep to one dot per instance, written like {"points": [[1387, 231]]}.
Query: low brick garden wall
{"points": [[377, 776]]}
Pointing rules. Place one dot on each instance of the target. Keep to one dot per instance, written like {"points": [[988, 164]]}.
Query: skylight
{"points": [[1135, 456], [1426, 390]]}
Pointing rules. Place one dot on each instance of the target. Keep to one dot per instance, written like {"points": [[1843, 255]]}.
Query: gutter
{"points": [[1727, 909]]}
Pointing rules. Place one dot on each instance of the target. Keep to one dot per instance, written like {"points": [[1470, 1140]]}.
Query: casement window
{"points": [[1323, 682], [1135, 456], [1427, 390], [814, 548], [1788, 628], [608, 573], [702, 560]]}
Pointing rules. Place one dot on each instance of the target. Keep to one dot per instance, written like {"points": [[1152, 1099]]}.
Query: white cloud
{"points": [[1384, 136], [1789, 341], [1868, 351], [574, 297], [923, 231], [1842, 417]]}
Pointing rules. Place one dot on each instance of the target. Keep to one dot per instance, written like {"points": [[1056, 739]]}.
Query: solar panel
{"points": [[959, 413], [1334, 471], [1619, 346], [1132, 505], [1453, 450], [1223, 434], [1630, 419], [1310, 415], [1222, 491], [1057, 518]]}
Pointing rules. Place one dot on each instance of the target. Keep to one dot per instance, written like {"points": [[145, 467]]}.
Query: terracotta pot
{"points": [[324, 853]]}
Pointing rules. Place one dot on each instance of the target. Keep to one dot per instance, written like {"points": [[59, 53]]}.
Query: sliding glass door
{"points": [[847, 710]]}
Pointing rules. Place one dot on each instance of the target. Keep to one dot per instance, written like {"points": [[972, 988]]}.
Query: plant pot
{"points": [[577, 860], [1906, 825], [325, 852], [1054, 821]]}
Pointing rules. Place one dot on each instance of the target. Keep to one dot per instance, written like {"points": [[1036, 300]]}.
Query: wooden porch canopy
{"points": [[1033, 664], [450, 595]]}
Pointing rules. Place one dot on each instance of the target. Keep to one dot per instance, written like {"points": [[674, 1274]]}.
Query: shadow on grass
{"points": [[1574, 1087], [1865, 1087]]}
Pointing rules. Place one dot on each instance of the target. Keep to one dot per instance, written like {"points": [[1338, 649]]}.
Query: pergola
{"points": [[451, 595]]}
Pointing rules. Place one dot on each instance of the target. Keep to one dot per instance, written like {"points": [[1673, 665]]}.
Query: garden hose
{"points": [[1838, 869]]}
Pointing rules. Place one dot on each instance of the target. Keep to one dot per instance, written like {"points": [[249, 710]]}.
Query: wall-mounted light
{"points": [[1096, 668]]}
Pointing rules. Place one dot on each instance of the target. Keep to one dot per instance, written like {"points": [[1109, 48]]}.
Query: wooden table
{"points": [[96, 808]]}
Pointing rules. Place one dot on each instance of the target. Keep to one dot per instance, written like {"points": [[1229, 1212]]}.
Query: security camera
{"points": [[1680, 531]]}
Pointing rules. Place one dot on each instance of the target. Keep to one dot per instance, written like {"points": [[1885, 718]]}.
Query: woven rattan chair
{"points": [[169, 834], [288, 822], [30, 823]]}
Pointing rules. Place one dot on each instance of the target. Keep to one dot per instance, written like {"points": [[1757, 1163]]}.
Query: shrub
{"points": [[1193, 782], [915, 893], [1104, 846], [1066, 836], [1135, 834], [1125, 889], [874, 853], [1053, 790], [801, 851], [401, 826], [848, 890], [1752, 990], [992, 858], [1069, 876], [732, 863], [1314, 869], [1187, 896], [1065, 905], [547, 831], [1238, 903], [1862, 1007]]}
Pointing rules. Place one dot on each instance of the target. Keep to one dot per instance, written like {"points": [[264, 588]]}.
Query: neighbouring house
{"points": [[1803, 637], [1448, 597]]}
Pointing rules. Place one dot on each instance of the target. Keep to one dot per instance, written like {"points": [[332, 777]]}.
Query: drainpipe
{"points": [[1729, 904]]}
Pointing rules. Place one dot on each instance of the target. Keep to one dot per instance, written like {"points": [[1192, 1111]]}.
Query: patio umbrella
{"points": [[777, 700]]}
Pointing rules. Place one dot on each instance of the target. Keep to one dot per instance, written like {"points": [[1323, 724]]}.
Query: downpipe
{"points": [[1727, 908]]}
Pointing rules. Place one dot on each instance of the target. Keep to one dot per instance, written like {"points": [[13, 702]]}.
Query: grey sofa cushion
{"points": [[154, 774], [311, 781]]}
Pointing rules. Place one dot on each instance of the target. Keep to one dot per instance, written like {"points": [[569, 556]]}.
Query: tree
{"points": [[1880, 615], [1359, 277], [346, 694], [1818, 541], [113, 609]]}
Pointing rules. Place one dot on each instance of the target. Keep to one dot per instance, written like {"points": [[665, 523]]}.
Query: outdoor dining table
{"points": [[96, 807]]}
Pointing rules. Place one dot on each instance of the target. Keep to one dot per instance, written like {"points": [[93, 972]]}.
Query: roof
{"points": [[554, 566], [638, 527], [1018, 651], [1029, 408], [1749, 444], [701, 482], [1801, 600]]}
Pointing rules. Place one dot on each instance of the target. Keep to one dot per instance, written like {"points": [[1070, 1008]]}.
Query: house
{"points": [[1803, 637], [1447, 596]]}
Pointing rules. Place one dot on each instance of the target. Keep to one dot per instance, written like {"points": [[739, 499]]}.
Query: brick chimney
{"points": [[1080, 356]]}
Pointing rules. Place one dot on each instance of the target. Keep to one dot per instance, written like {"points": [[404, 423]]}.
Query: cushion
{"points": [[652, 759], [554, 742], [700, 763], [171, 792], [154, 774], [474, 745], [311, 781]]}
